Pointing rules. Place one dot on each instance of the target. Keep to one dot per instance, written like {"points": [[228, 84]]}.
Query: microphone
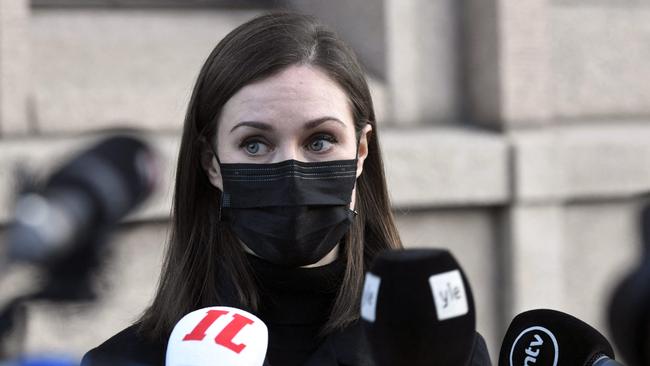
{"points": [[549, 338], [82, 199], [218, 335], [629, 308], [417, 309]]}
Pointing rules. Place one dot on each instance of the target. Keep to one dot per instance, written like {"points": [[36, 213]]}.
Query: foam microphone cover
{"points": [[218, 335], [417, 309], [546, 337], [121, 169], [85, 196]]}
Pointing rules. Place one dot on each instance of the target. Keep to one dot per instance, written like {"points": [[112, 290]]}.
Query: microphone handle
{"points": [[606, 361]]}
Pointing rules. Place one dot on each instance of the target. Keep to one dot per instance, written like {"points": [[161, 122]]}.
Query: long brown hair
{"points": [[204, 264]]}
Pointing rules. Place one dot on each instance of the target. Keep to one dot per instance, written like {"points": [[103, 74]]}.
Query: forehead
{"points": [[297, 93]]}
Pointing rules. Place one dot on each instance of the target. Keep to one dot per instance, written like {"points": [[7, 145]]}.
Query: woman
{"points": [[280, 200]]}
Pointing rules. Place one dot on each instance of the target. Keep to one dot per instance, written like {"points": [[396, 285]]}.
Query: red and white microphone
{"points": [[218, 335]]}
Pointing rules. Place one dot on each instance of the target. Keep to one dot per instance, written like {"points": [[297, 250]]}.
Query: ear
{"points": [[363, 147], [211, 168]]}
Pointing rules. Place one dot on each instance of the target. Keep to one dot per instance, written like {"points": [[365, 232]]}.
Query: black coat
{"points": [[346, 348]]}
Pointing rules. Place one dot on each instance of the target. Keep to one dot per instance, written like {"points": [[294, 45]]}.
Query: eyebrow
{"points": [[267, 127]]}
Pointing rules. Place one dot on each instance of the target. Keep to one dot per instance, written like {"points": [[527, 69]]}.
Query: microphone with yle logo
{"points": [[417, 309], [550, 338]]}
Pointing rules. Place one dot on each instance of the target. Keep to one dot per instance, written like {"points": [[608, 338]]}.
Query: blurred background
{"points": [[516, 133]]}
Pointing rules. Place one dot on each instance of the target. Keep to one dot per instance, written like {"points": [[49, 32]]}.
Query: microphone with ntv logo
{"points": [[417, 309], [551, 338]]}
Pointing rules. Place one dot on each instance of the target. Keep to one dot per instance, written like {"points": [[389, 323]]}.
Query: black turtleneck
{"points": [[295, 303]]}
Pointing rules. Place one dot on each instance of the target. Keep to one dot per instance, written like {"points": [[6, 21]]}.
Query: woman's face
{"points": [[299, 113]]}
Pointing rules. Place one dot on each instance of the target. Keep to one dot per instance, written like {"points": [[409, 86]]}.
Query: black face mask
{"points": [[289, 213]]}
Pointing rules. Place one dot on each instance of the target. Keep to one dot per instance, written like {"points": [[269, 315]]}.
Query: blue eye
{"points": [[317, 145], [254, 147], [321, 143]]}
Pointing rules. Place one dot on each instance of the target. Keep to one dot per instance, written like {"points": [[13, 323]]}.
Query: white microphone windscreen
{"points": [[218, 335]]}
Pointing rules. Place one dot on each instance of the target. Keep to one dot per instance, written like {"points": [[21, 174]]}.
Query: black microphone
{"points": [[629, 308], [417, 309], [82, 199], [550, 338]]}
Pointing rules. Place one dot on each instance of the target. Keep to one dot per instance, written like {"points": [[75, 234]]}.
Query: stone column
{"points": [[506, 88], [423, 61], [14, 66], [507, 62]]}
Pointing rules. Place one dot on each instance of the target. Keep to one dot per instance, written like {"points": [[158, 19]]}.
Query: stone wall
{"points": [[515, 133]]}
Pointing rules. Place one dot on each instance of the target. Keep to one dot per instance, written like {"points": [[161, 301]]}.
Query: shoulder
{"points": [[480, 354], [127, 347]]}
